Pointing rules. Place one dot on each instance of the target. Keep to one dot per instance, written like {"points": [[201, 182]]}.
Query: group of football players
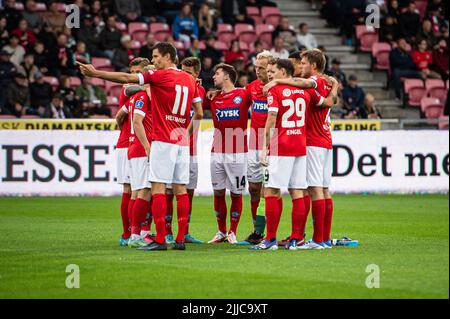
{"points": [[290, 147]]}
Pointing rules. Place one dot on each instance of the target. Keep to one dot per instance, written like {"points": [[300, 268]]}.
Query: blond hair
{"points": [[264, 55]]}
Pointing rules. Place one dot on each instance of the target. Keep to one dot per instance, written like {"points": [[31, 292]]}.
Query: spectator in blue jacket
{"points": [[185, 25], [353, 96], [402, 65]]}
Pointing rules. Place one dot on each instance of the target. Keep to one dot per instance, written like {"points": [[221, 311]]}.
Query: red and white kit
{"points": [[257, 126], [173, 92], [122, 168], [287, 148], [229, 150], [318, 140], [139, 103]]}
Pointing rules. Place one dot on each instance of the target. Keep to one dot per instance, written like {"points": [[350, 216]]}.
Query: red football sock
{"points": [[159, 209], [220, 208], [235, 213], [328, 219], [280, 204], [272, 216], [182, 214], [318, 212], [191, 198], [169, 213], [130, 212], [147, 225], [254, 206], [307, 203], [124, 214], [298, 212], [139, 212]]}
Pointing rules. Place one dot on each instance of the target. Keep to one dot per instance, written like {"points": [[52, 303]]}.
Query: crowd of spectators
{"points": [[36, 44]]}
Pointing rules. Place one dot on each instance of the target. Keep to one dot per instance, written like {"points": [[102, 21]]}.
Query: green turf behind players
{"points": [[406, 236]]}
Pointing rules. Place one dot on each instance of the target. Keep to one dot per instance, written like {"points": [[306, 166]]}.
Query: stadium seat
{"points": [[61, 7], [19, 6], [431, 107], [112, 101], [202, 45], [160, 30], [255, 14], [245, 47], [245, 32], [113, 89], [361, 29], [179, 45], [443, 125], [271, 15], [264, 33], [380, 52], [225, 33], [367, 40], [436, 88], [122, 27], [98, 82], [40, 7], [140, 36], [30, 117], [52, 81], [99, 117], [422, 7], [136, 44], [102, 64], [6, 117], [415, 90], [74, 81], [221, 46], [138, 31]]}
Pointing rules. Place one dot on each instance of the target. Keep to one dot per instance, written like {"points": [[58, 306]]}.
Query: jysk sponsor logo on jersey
{"points": [[260, 106], [139, 104], [231, 113]]}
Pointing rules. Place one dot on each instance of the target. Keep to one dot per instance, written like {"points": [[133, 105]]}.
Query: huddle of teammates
{"points": [[290, 147]]}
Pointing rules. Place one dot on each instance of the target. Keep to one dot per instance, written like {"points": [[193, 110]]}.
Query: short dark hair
{"points": [[295, 55], [317, 57], [139, 62], [166, 48], [227, 69], [285, 64], [194, 63], [301, 25]]}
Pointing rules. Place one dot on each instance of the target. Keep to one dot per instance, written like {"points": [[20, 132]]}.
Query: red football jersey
{"points": [[230, 117], [194, 136], [124, 137], [259, 114], [318, 124], [291, 105], [139, 103], [173, 92]]}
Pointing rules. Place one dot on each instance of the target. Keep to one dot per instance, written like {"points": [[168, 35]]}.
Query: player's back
{"points": [[230, 117], [124, 137], [291, 105], [139, 103], [318, 124], [173, 92]]}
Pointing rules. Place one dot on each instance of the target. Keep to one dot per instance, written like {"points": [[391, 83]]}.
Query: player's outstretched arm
{"points": [[118, 77], [120, 117], [140, 132], [196, 118], [296, 82], [132, 89]]}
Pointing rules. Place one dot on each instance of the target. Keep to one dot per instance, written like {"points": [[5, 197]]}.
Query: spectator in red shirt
{"points": [[26, 37], [234, 53], [423, 58]]}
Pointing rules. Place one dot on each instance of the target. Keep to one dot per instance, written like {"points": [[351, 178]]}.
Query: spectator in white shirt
{"points": [[305, 38], [279, 52]]}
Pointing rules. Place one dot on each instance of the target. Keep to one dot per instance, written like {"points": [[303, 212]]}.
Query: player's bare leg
{"points": [[188, 237], [272, 198], [220, 209], [328, 218], [179, 190], [125, 202], [169, 216]]}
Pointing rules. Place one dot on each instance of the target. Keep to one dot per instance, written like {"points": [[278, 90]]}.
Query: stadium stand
{"points": [[338, 27]]}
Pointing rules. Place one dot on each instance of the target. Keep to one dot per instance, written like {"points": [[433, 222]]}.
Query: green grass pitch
{"points": [[406, 236]]}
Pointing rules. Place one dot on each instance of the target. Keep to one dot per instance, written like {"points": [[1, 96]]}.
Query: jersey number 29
{"points": [[298, 107]]}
